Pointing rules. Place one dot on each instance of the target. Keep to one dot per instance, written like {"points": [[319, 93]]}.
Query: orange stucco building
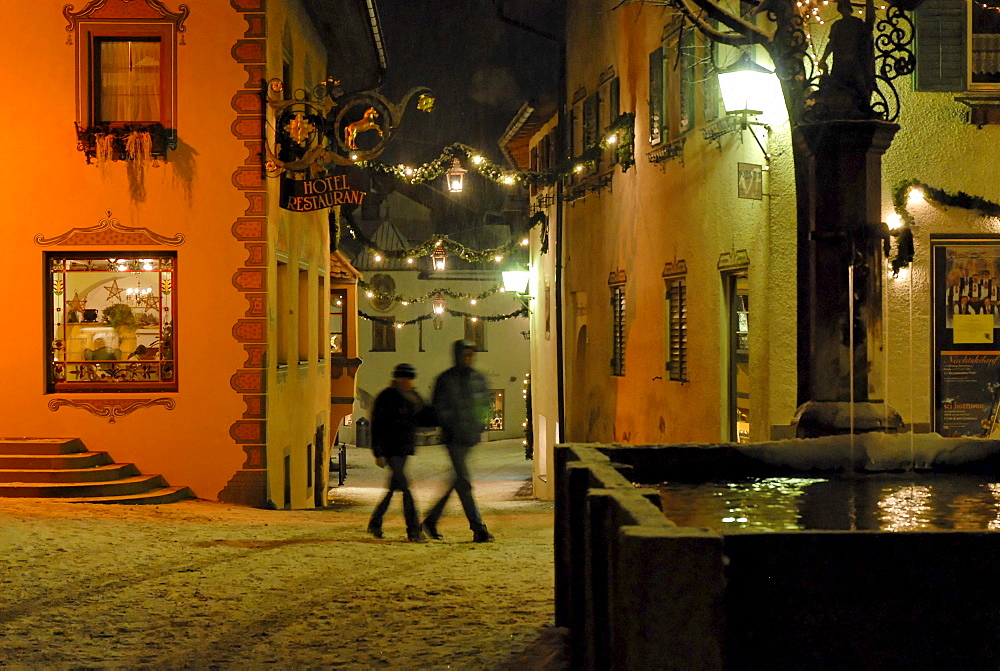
{"points": [[160, 305]]}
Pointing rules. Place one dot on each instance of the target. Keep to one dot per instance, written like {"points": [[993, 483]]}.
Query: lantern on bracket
{"points": [[438, 308], [456, 176], [438, 257]]}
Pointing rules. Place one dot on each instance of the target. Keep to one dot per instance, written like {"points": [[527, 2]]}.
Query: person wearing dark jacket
{"points": [[461, 402], [398, 412]]}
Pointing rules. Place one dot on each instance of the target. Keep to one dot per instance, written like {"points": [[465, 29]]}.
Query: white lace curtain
{"points": [[985, 53], [130, 81]]}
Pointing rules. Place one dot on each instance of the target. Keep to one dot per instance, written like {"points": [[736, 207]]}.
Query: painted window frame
{"points": [[125, 370], [91, 33]]}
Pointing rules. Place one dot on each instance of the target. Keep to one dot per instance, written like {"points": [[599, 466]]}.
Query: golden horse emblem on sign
{"points": [[366, 123]]}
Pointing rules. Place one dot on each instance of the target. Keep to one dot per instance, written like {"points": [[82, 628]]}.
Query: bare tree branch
{"points": [[714, 10], [732, 39]]}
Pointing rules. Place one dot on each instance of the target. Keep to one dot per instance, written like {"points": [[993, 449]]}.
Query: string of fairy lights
{"points": [[811, 13], [438, 245], [473, 299], [620, 135], [437, 313]]}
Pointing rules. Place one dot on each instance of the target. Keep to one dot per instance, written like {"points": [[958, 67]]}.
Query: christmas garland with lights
{"points": [[435, 242], [521, 312], [620, 134], [373, 293], [904, 235]]}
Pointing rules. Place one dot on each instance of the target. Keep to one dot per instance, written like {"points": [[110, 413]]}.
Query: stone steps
{"points": [[64, 468]]}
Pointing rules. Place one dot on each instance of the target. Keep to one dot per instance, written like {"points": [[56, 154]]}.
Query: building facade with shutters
{"points": [[661, 260], [677, 286], [159, 305]]}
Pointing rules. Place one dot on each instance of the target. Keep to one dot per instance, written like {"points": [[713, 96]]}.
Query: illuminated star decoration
{"points": [[149, 302], [425, 103], [114, 291], [299, 128], [77, 304]]}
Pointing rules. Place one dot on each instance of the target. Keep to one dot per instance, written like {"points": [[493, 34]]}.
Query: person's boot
{"points": [[432, 530], [482, 536]]}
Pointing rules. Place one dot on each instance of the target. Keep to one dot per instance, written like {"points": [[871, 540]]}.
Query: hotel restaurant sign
{"points": [[307, 195]]}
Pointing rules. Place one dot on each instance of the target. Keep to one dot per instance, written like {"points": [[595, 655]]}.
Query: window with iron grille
{"points": [[676, 332], [618, 329], [384, 334]]}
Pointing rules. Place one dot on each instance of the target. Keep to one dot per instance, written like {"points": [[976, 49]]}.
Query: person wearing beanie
{"points": [[462, 403], [398, 412]]}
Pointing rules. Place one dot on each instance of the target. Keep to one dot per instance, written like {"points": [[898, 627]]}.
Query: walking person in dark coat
{"points": [[461, 403], [398, 412]]}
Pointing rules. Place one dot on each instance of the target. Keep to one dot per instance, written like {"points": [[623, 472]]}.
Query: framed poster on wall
{"points": [[966, 342]]}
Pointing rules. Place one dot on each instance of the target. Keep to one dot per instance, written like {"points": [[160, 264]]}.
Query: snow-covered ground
{"points": [[198, 584]]}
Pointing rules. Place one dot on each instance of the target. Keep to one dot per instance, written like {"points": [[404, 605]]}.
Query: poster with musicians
{"points": [[966, 276]]}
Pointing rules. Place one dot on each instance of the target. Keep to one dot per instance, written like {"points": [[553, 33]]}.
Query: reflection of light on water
{"points": [[884, 503], [765, 503], [905, 509], [995, 491]]}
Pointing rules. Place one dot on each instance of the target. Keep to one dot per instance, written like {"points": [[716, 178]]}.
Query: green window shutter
{"points": [[656, 120], [614, 100], [941, 46], [591, 114]]}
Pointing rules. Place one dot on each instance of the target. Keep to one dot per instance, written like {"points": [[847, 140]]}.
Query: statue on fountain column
{"points": [[845, 90]]}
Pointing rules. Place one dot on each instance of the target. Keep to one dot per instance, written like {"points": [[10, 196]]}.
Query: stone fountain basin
{"points": [[867, 452], [635, 587]]}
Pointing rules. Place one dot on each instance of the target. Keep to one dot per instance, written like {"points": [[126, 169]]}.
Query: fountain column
{"points": [[839, 165]]}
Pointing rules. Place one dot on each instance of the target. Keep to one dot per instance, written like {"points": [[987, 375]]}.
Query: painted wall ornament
{"points": [[314, 130]]}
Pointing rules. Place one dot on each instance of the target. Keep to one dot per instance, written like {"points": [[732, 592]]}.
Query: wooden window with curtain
{"points": [[127, 75], [384, 335], [957, 46], [475, 332], [128, 80]]}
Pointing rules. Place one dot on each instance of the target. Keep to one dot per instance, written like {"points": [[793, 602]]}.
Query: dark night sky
{"points": [[481, 69]]}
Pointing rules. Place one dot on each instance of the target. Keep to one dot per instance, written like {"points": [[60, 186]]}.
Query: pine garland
{"points": [[521, 312], [428, 246], [622, 130], [904, 235], [433, 292]]}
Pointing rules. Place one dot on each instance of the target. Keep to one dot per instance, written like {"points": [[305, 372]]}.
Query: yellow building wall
{"points": [[297, 375], [683, 209]]}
